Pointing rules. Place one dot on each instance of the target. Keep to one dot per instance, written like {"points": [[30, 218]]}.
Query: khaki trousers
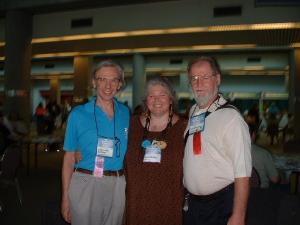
{"points": [[96, 201]]}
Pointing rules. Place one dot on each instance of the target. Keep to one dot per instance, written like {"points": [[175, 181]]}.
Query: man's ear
{"points": [[93, 84], [218, 79], [119, 86]]}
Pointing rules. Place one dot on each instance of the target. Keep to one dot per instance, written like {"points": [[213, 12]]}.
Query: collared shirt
{"points": [[81, 133], [226, 151]]}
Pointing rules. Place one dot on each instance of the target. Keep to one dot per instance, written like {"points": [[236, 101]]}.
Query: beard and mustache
{"points": [[204, 100]]}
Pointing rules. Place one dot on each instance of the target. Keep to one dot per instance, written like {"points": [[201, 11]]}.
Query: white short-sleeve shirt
{"points": [[225, 154]]}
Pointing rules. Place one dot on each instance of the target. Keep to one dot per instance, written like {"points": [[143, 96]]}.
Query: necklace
{"points": [[161, 142]]}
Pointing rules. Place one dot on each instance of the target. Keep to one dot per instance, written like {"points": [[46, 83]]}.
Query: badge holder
{"points": [[152, 154], [105, 148], [99, 165], [197, 124]]}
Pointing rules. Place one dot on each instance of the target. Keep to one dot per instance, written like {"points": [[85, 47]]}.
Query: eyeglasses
{"points": [[204, 78], [104, 80]]}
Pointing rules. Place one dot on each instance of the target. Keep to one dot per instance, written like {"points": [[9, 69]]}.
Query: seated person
{"points": [[4, 135], [262, 161]]}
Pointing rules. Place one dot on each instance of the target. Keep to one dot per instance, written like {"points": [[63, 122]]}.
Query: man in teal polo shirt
{"points": [[93, 190]]}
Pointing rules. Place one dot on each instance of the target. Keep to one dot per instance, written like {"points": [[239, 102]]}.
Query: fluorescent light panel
{"points": [[222, 28], [145, 50]]}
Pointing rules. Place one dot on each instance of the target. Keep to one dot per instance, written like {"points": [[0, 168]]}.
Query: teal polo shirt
{"points": [[81, 133]]}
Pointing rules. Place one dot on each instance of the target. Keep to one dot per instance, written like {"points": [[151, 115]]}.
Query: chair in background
{"points": [[10, 163]]}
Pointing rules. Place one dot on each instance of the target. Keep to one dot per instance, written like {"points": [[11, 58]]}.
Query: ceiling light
{"points": [[145, 50], [180, 30]]}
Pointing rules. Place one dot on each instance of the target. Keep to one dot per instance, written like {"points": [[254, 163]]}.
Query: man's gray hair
{"points": [[211, 60], [110, 63]]}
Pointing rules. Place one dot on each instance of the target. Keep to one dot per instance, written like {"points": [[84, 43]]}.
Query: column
{"points": [[55, 92], [184, 82], [138, 79], [294, 90], [82, 78], [17, 68], [261, 104]]}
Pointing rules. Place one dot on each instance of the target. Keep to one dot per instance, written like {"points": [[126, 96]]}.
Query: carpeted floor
{"points": [[41, 190], [41, 186]]}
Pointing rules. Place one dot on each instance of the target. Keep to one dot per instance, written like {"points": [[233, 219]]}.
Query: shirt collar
{"points": [[220, 100]]}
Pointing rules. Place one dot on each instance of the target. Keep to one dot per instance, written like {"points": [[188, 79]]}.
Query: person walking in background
{"points": [[217, 159], [154, 159], [93, 190], [40, 113], [272, 128], [66, 109], [283, 124], [53, 111]]}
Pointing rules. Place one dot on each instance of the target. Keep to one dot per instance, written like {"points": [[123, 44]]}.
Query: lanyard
{"points": [[164, 132], [116, 139], [197, 146], [216, 101]]}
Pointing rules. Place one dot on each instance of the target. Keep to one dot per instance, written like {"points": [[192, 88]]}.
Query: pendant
{"points": [[146, 143], [160, 144]]}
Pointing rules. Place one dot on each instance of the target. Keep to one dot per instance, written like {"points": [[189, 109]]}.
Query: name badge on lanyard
{"points": [[197, 123], [99, 165], [105, 147], [152, 154]]}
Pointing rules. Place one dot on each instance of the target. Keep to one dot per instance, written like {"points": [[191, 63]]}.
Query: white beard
{"points": [[203, 101]]}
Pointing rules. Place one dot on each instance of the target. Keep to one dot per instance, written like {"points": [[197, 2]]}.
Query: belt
{"points": [[212, 196], [115, 173]]}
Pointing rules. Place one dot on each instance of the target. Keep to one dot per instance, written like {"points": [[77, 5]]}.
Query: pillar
{"points": [[55, 92], [17, 68], [261, 104], [138, 79], [82, 78], [184, 82], [294, 90]]}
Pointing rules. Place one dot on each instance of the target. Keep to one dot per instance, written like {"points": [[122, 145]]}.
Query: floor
{"points": [[42, 186]]}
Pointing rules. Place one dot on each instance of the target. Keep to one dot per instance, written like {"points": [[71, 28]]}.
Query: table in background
{"points": [[290, 165], [40, 140]]}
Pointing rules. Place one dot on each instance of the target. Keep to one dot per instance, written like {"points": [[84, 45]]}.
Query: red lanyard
{"points": [[197, 143]]}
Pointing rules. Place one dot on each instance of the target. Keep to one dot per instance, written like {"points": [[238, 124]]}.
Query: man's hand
{"points": [[236, 220], [65, 210], [78, 156]]}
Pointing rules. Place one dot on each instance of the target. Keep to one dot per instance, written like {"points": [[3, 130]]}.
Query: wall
{"points": [[188, 13]]}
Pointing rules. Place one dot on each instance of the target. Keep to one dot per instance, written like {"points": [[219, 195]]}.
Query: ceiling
{"points": [[281, 37], [259, 38], [48, 6]]}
